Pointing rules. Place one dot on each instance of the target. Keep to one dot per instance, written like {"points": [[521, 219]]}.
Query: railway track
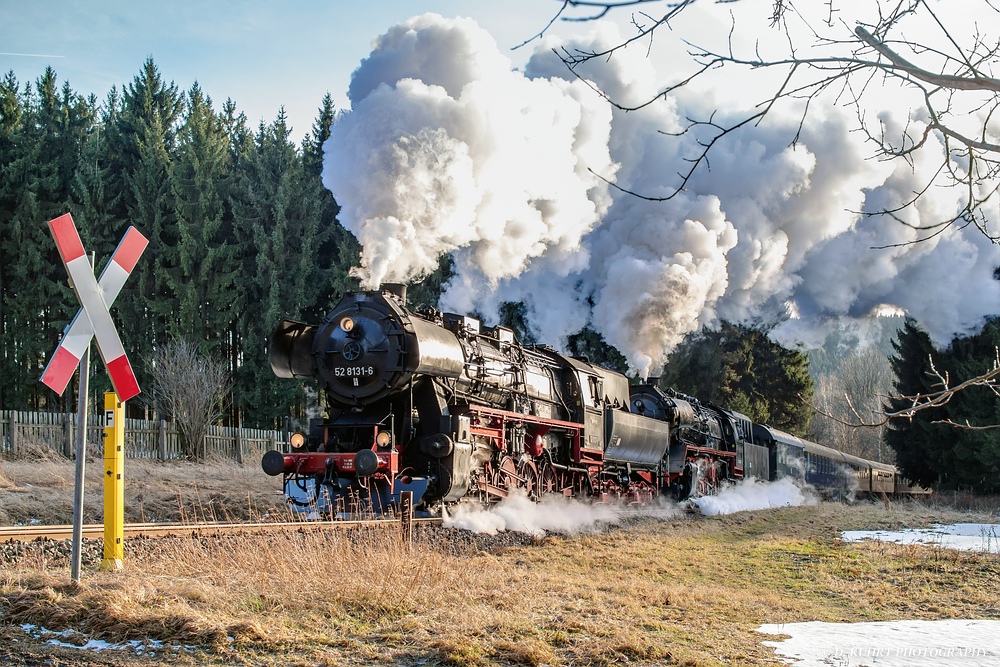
{"points": [[133, 530]]}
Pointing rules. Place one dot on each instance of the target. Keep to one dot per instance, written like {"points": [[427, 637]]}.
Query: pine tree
{"points": [[268, 229], [335, 250], [12, 143], [141, 149], [919, 444], [241, 151], [423, 292], [972, 461], [591, 345], [44, 131], [205, 277]]}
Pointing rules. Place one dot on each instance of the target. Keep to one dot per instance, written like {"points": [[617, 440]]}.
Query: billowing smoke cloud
{"points": [[449, 150]]}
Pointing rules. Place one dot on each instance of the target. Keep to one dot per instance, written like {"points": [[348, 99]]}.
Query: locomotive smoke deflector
{"points": [[291, 350]]}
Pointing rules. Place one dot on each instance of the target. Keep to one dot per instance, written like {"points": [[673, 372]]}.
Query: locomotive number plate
{"points": [[354, 371]]}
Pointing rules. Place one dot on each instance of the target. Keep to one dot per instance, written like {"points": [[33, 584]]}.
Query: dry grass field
{"points": [[686, 590], [40, 489]]}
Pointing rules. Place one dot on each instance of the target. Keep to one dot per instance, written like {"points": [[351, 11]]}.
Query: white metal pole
{"points": [[81, 459]]}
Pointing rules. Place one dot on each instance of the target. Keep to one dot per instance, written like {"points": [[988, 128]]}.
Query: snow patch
{"points": [[948, 643], [963, 536]]}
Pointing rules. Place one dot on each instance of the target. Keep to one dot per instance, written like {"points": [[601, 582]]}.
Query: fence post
{"points": [[161, 440], [15, 445], [67, 434], [238, 443]]}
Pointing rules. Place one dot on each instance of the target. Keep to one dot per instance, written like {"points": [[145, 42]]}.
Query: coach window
{"points": [[596, 390], [587, 396]]}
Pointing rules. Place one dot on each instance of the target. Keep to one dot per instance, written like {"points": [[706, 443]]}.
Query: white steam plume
{"points": [[517, 513], [556, 514], [752, 494], [448, 150]]}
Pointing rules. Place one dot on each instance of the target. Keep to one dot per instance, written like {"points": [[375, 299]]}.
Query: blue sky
{"points": [[261, 54]]}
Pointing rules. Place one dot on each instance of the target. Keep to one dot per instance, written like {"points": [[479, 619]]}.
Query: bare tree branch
{"points": [[925, 401], [192, 389], [953, 77], [975, 82]]}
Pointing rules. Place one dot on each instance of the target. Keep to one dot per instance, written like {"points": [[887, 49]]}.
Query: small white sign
{"points": [[109, 419]]}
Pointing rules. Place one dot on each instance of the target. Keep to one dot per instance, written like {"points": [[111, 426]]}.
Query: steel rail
{"points": [[96, 531]]}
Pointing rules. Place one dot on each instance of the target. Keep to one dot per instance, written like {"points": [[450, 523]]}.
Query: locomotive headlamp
{"points": [[383, 438], [347, 324], [297, 440]]}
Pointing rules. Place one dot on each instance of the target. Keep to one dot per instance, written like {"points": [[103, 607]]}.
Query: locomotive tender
{"points": [[437, 405]]}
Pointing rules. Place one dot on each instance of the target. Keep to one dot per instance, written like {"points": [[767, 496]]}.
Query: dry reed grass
{"points": [[5, 481], [42, 490], [688, 591]]}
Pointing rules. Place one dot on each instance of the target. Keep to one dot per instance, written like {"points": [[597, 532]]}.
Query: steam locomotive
{"points": [[436, 405]]}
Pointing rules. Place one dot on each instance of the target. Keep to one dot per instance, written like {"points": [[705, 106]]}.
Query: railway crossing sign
{"points": [[93, 320]]}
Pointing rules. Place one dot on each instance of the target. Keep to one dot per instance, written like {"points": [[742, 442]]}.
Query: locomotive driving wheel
{"points": [[707, 484], [497, 480], [547, 480], [529, 478], [506, 476]]}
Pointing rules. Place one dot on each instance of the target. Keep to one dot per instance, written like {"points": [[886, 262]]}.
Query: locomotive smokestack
{"points": [[396, 289]]}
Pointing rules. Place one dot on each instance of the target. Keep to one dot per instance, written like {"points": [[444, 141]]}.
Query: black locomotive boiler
{"points": [[442, 407]]}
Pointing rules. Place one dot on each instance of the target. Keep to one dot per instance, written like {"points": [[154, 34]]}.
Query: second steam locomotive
{"points": [[438, 405]]}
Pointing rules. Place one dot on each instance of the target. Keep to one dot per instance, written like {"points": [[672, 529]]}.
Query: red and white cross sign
{"points": [[93, 319]]}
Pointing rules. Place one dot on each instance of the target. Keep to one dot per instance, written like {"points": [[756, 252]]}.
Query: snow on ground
{"points": [[964, 536], [949, 643], [75, 639]]}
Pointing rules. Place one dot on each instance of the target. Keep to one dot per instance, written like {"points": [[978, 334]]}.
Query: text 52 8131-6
{"points": [[354, 371]]}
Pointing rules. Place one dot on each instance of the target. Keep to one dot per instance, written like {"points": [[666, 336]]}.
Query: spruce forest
{"points": [[242, 233], [955, 445]]}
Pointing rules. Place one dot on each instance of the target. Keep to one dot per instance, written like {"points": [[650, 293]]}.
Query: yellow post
{"points": [[114, 483]]}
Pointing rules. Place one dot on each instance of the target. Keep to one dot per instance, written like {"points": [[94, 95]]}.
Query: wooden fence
{"points": [[24, 433]]}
